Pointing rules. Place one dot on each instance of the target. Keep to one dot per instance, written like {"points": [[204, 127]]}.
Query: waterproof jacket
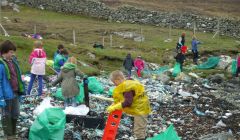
{"points": [[37, 53], [6, 91], [69, 84], [55, 54], [195, 45], [180, 58], [139, 63], [128, 63], [37, 59], [59, 61], [140, 104]]}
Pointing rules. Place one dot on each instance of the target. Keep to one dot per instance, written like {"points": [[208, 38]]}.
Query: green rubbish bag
{"points": [[94, 85], [212, 62], [49, 125], [110, 91], [234, 67], [79, 97], [168, 134], [176, 70]]}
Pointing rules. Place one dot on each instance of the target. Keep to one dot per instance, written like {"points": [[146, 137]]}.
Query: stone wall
{"points": [[94, 8]]}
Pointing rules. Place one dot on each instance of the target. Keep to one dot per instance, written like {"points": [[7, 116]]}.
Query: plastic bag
{"points": [[79, 110], [176, 70], [234, 67], [212, 62], [94, 85], [49, 125], [79, 98], [44, 105], [110, 91], [169, 134]]}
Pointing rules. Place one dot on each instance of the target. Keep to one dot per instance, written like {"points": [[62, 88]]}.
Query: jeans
{"points": [[40, 84], [69, 101], [195, 56]]}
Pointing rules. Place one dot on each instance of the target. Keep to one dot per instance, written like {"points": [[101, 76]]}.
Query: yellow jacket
{"points": [[140, 104]]}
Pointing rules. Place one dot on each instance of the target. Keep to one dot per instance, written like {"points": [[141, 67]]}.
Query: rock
{"points": [[163, 78], [219, 136], [183, 77], [217, 78], [94, 8]]}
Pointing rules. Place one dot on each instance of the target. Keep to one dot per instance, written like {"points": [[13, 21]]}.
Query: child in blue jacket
{"points": [[11, 87]]}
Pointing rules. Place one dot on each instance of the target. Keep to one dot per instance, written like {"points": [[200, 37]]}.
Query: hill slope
{"points": [[225, 8]]}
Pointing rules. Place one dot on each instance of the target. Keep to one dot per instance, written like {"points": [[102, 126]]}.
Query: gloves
{"points": [[114, 107], [2, 103]]}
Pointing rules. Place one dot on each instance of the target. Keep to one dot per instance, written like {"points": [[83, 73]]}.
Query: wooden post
{"points": [[194, 28], [35, 29], [74, 37], [103, 40], [218, 29], [110, 40]]}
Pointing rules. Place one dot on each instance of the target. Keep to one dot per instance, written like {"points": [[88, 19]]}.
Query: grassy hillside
{"points": [[57, 28], [225, 8]]}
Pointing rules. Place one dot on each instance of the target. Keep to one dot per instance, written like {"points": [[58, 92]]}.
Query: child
{"points": [[60, 60], [11, 88], [37, 59], [69, 84], [180, 59], [128, 64], [60, 48], [238, 65], [195, 43], [181, 41], [129, 96], [139, 65]]}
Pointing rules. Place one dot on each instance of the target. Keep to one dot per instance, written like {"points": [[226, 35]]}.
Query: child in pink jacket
{"points": [[37, 59], [139, 65]]}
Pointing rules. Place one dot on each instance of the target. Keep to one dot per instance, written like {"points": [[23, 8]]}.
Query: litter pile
{"points": [[191, 104]]}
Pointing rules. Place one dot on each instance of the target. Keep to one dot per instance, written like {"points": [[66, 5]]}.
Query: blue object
{"points": [[2, 103], [198, 112]]}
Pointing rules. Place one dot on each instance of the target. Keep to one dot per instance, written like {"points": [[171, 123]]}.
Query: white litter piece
{"points": [[220, 124], [44, 105], [194, 75], [79, 110], [26, 79], [187, 94]]}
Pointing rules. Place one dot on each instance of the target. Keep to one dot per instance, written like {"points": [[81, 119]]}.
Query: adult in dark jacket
{"points": [[128, 64], [180, 58]]}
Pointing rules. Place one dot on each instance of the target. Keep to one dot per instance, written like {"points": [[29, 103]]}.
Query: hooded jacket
{"points": [[69, 84], [6, 91], [37, 59], [128, 62], [37, 53], [139, 63]]}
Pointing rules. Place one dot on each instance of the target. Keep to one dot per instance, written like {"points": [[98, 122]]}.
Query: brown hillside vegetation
{"points": [[225, 8]]}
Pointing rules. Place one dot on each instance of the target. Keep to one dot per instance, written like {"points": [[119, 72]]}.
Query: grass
{"points": [[57, 28]]}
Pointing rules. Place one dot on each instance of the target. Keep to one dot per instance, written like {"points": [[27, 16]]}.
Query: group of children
{"points": [[182, 49], [129, 95], [138, 64]]}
